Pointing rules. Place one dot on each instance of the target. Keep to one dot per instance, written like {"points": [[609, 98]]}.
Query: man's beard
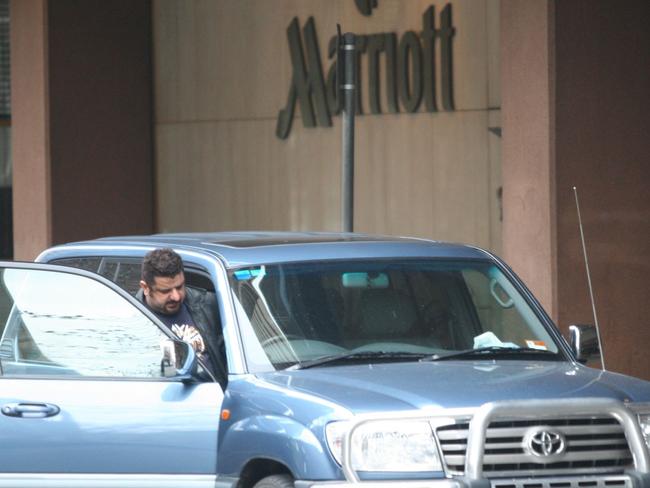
{"points": [[172, 307]]}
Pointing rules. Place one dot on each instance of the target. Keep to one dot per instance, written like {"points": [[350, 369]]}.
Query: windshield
{"points": [[295, 313]]}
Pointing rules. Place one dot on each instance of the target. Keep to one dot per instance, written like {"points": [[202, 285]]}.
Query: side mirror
{"points": [[179, 360], [584, 342]]}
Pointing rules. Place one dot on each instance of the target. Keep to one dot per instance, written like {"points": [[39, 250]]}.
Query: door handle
{"points": [[30, 410]]}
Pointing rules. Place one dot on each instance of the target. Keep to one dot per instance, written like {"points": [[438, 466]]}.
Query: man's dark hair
{"points": [[163, 262]]}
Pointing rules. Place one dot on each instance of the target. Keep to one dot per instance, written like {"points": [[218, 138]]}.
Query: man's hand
{"points": [[191, 335]]}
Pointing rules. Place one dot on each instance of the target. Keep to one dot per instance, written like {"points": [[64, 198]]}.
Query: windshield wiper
{"points": [[491, 351], [358, 356]]}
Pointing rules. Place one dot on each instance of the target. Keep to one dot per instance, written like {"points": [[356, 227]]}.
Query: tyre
{"points": [[275, 481]]}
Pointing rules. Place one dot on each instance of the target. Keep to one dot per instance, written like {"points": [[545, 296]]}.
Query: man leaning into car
{"points": [[190, 313]]}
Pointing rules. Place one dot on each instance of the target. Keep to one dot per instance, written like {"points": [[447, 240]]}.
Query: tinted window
{"points": [[125, 272], [88, 264]]}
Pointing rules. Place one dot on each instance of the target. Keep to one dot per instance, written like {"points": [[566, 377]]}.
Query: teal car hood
{"points": [[454, 384]]}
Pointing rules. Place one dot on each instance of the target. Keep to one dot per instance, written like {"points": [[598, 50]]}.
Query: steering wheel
{"points": [[440, 321], [427, 309]]}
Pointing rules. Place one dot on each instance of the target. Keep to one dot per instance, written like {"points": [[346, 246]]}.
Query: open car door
{"points": [[94, 391]]}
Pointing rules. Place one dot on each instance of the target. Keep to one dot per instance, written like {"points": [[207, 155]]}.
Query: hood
{"points": [[451, 384]]}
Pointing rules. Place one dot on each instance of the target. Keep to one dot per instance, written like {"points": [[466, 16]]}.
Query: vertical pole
{"points": [[347, 92]]}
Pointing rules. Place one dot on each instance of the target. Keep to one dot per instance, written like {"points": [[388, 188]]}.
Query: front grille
{"points": [[600, 482], [592, 445]]}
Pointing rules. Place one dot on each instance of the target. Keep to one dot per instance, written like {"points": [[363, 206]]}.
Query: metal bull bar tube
{"points": [[481, 418]]}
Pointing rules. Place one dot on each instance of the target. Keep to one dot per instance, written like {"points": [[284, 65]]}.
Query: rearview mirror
{"points": [[364, 280], [584, 342]]}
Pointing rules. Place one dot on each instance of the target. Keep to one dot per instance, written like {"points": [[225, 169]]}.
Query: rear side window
{"points": [[89, 264], [124, 272]]}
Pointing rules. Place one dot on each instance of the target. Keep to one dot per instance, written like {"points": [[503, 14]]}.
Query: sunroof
{"points": [[278, 240]]}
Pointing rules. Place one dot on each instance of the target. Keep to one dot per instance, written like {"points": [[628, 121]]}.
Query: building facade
{"points": [[475, 120]]}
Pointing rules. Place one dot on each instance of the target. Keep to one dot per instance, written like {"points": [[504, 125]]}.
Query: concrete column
{"points": [[83, 124], [602, 145], [528, 166], [575, 78], [30, 128]]}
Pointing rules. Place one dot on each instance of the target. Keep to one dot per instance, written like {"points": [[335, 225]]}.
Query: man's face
{"points": [[166, 294]]}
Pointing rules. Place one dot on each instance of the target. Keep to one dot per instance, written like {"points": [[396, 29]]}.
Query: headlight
{"points": [[395, 446]]}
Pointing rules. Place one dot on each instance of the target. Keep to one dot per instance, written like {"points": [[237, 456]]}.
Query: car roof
{"points": [[252, 248]]}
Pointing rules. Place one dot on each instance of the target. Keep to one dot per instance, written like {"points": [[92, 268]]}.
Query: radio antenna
{"points": [[591, 290]]}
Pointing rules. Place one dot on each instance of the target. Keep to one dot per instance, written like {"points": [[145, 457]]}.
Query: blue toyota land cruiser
{"points": [[347, 359]]}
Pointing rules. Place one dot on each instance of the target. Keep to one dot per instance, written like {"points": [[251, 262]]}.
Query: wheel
{"points": [[275, 481]]}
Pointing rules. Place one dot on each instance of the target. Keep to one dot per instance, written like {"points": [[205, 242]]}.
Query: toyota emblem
{"points": [[545, 442]]}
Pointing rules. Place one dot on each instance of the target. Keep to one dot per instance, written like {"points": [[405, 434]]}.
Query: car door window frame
{"points": [[208, 262]]}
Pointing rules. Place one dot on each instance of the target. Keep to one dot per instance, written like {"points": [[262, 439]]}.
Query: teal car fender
{"points": [[265, 423], [275, 438]]}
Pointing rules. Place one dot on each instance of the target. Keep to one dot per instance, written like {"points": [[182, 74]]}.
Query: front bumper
{"points": [[446, 483], [474, 477], [629, 480]]}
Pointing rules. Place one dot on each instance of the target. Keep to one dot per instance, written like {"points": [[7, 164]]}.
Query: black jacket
{"points": [[204, 309]]}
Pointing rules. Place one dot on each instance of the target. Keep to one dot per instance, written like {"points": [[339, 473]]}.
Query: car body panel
{"points": [[240, 249], [271, 421], [279, 418], [389, 387], [110, 425]]}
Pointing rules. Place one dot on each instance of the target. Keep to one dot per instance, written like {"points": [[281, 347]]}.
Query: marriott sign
{"points": [[410, 72]]}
